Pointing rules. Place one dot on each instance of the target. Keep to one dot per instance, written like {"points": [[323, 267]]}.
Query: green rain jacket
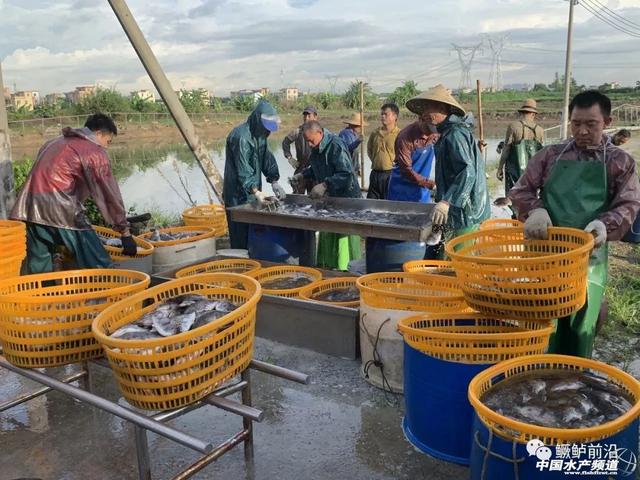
{"points": [[248, 158], [331, 164], [460, 175]]}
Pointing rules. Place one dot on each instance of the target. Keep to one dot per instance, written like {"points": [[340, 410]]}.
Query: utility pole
{"points": [[162, 84], [567, 74], [7, 194], [362, 84], [466, 56], [496, 45]]}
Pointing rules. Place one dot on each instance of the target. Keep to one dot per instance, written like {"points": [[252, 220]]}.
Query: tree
{"points": [[193, 101], [403, 93], [244, 103], [323, 99], [105, 101], [143, 105], [540, 87], [351, 98]]}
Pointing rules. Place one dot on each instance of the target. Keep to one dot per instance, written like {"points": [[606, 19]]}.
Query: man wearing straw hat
{"points": [[461, 187], [588, 183], [523, 139], [351, 135]]}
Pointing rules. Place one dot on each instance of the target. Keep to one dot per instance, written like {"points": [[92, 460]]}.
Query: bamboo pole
{"points": [[481, 124], [7, 196], [362, 133]]}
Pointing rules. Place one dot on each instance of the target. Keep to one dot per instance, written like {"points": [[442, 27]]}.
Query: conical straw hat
{"points": [[529, 105], [355, 120], [436, 94]]}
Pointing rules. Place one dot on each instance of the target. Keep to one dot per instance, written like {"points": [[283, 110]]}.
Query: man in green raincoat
{"points": [[587, 183], [247, 158], [331, 169], [461, 188]]}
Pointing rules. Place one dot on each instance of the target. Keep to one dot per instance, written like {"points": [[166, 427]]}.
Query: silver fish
{"points": [[134, 332], [167, 326]]}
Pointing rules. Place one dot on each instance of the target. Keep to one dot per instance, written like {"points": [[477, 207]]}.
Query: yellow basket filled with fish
{"points": [[212, 215], [285, 280], [173, 344], [339, 291], [176, 247], [45, 319], [13, 247], [231, 265], [505, 275], [142, 261], [434, 267]]}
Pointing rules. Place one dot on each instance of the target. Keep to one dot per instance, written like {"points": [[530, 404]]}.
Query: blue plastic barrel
{"points": [[633, 235], [493, 457], [282, 245], [438, 415], [389, 255]]}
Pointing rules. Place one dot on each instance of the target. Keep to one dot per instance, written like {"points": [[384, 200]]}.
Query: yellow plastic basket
{"points": [[473, 338], [212, 215], [13, 247], [283, 271], [45, 319], [168, 373], [232, 265], [500, 223], [511, 429], [10, 266], [311, 291], [503, 275], [436, 267], [144, 248], [419, 292], [12, 229], [202, 233]]}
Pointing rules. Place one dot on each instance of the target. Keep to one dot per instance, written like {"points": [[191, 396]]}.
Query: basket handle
{"points": [[185, 249]]}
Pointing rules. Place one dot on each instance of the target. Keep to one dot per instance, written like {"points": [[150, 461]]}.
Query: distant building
{"points": [[81, 93], [53, 98], [615, 85], [290, 94], [254, 94], [25, 100], [144, 95], [518, 87], [264, 91]]}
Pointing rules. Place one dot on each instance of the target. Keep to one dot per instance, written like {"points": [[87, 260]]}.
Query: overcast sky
{"points": [[227, 45]]}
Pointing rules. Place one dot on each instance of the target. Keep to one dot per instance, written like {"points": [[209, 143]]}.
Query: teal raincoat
{"points": [[247, 159]]}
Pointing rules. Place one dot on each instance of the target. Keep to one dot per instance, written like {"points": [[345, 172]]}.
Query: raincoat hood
{"points": [[454, 119], [254, 119], [83, 132]]}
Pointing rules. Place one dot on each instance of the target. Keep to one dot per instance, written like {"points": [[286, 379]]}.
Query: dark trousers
{"points": [[379, 184]]}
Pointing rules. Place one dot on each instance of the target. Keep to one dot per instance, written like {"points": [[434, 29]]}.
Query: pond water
{"points": [[167, 178]]}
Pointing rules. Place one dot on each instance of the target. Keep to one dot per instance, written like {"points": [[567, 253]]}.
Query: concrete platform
{"points": [[338, 427]]}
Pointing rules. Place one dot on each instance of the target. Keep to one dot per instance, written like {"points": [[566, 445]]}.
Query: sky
{"points": [[315, 45]]}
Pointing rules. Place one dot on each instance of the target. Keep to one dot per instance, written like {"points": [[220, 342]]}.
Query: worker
{"points": [[461, 185], [332, 171], [523, 139], [351, 135], [621, 137], [414, 161], [585, 182], [247, 158], [68, 170], [301, 160], [381, 151]]}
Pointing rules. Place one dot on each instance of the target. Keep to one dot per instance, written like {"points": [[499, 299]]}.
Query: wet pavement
{"points": [[338, 427]]}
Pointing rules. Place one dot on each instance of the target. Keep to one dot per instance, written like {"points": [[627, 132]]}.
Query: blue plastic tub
{"points": [[389, 255], [282, 245], [438, 416], [633, 235], [495, 461]]}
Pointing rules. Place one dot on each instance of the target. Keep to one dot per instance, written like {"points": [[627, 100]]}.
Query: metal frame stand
{"points": [[155, 423]]}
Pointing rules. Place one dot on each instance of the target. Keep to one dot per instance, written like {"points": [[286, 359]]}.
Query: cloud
{"points": [[301, 3], [206, 8]]}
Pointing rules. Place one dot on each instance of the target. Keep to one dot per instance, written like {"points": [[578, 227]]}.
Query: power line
{"points": [[615, 15], [587, 6], [497, 45], [466, 56]]}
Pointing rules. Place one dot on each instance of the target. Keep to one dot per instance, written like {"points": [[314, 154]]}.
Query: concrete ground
{"points": [[338, 427]]}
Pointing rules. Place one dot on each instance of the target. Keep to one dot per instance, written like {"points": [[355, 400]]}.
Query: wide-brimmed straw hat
{"points": [[439, 93], [356, 119], [529, 106]]}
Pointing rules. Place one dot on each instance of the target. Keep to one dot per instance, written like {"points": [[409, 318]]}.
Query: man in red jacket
{"points": [[67, 171]]}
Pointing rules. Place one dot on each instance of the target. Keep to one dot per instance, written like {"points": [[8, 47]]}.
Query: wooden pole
{"points": [[362, 133], [480, 122], [7, 194]]}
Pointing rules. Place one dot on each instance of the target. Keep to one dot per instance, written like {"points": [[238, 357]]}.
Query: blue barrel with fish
{"points": [[389, 255], [442, 354], [282, 245], [543, 435]]}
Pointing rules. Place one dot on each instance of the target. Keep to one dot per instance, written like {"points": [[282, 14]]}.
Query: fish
{"points": [[134, 332], [286, 283], [167, 326], [349, 294], [158, 236], [502, 202]]}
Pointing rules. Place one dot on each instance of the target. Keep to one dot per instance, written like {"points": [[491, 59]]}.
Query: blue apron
{"points": [[401, 189]]}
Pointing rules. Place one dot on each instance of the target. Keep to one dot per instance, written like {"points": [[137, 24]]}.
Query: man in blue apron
{"points": [[587, 183]]}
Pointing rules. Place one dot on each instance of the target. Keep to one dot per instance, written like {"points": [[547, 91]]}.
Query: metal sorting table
{"points": [[414, 227], [155, 423], [323, 328]]}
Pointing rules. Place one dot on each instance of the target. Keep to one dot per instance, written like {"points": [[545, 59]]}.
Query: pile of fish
{"points": [[369, 216], [158, 236], [110, 241], [286, 283], [348, 294], [558, 399], [177, 315]]}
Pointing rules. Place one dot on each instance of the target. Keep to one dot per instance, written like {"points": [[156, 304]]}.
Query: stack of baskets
{"points": [[212, 215], [13, 245]]}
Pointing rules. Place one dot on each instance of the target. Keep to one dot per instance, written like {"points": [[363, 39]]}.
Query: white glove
{"points": [[261, 197], [278, 191], [535, 228], [293, 162], [599, 231], [296, 180], [440, 213], [319, 191]]}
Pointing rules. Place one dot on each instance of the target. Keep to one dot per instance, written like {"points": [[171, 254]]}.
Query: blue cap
{"points": [[270, 122]]}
